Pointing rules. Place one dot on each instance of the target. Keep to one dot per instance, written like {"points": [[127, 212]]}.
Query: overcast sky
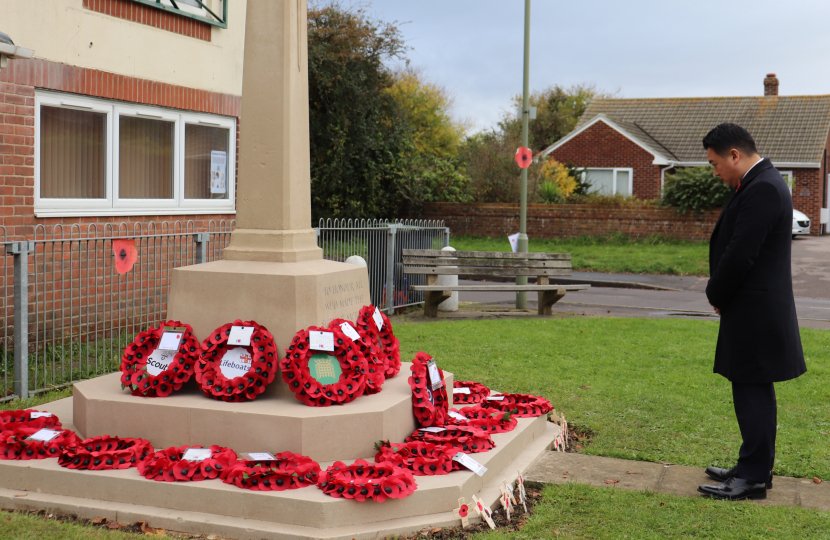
{"points": [[638, 48]]}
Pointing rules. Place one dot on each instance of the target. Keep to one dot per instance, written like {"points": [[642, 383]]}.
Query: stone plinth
{"points": [[268, 424]]}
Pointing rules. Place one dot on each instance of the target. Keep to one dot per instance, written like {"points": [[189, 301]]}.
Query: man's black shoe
{"points": [[722, 475], [735, 489]]}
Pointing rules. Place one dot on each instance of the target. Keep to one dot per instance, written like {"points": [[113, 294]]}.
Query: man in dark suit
{"points": [[751, 289]]}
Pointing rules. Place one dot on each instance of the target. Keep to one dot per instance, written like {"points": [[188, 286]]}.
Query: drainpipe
{"points": [[663, 175]]}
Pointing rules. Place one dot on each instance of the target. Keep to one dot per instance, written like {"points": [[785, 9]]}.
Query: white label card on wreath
{"points": [[495, 398], [434, 375], [38, 414], [240, 335], [321, 341], [260, 456], [235, 363], [197, 454], [470, 463], [462, 390], [433, 429], [170, 341], [159, 361], [457, 416], [44, 435], [378, 319], [349, 330]]}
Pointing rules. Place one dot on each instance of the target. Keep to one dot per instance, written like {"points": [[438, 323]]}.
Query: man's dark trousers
{"points": [[755, 408], [751, 283]]}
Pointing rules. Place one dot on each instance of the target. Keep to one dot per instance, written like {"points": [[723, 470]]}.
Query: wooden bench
{"points": [[433, 263]]}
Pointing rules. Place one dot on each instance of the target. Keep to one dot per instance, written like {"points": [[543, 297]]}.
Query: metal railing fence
{"points": [[69, 314], [381, 244]]}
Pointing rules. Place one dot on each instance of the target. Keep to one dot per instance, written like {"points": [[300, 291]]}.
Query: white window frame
{"points": [[615, 170], [788, 178], [111, 204]]}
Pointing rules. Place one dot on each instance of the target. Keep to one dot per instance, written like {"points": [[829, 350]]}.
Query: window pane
{"points": [[602, 181], [145, 154], [205, 162], [72, 153], [623, 182]]}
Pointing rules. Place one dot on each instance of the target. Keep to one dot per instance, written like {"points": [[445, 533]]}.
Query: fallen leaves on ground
{"points": [[114, 525], [584, 387], [98, 520], [611, 481], [631, 472], [817, 480]]}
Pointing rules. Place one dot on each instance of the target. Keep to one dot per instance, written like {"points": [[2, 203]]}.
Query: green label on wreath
{"points": [[324, 368]]}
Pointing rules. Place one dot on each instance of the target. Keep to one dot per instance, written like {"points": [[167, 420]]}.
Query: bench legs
{"points": [[433, 298], [548, 298]]}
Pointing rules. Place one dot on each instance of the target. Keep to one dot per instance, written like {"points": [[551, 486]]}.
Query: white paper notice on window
{"points": [[495, 398], [434, 375], [218, 171], [44, 435], [321, 341], [470, 463], [259, 456], [433, 429], [349, 330], [170, 341], [378, 319], [457, 416], [197, 454], [38, 414], [240, 335], [462, 390]]}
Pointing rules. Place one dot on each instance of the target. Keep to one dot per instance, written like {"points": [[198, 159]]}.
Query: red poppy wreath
{"points": [[237, 372], [375, 358], [375, 323], [28, 418], [187, 464], [469, 439], [430, 406], [151, 371], [322, 378], [489, 420], [105, 453], [521, 405], [363, 480], [288, 471], [422, 458], [23, 443], [474, 393]]}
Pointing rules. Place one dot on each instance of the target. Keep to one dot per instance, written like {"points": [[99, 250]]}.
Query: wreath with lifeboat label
{"points": [[373, 322], [375, 357], [320, 377], [238, 361], [430, 406], [152, 371]]}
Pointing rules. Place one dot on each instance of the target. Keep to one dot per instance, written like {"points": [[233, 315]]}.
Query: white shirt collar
{"points": [[749, 169]]}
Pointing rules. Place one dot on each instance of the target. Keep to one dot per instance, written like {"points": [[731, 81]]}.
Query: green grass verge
{"points": [[615, 254], [651, 394], [37, 399], [17, 526], [579, 511]]}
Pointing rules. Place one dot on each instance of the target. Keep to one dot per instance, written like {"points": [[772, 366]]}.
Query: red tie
{"points": [[737, 188]]}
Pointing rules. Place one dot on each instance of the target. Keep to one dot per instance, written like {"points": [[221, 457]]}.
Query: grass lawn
{"points": [[645, 388], [16, 526], [615, 254]]}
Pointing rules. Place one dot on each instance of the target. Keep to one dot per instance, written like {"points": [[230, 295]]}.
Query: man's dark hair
{"points": [[727, 136]]}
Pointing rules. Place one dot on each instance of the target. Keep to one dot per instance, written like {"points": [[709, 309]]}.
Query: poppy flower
{"points": [[463, 510], [125, 254], [524, 157]]}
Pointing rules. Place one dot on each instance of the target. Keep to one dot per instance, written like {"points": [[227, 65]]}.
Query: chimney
{"points": [[771, 85]]}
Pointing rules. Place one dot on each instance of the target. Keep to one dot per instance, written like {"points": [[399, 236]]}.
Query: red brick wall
{"points": [[602, 146], [17, 142], [808, 193], [143, 14], [570, 220]]}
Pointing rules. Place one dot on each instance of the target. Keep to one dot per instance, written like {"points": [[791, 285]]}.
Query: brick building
{"points": [[128, 111], [628, 145]]}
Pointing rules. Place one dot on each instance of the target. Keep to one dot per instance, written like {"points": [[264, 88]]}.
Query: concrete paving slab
{"points": [[815, 496], [563, 467]]}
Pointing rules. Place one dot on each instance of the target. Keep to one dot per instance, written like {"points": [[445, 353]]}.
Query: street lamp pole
{"points": [[521, 297]]}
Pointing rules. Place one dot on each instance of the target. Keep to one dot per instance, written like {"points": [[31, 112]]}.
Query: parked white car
{"points": [[801, 223]]}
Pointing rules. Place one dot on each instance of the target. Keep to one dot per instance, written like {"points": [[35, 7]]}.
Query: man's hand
{"points": [[716, 309]]}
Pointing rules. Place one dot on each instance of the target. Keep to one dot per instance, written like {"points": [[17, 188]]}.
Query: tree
{"points": [[696, 189]]}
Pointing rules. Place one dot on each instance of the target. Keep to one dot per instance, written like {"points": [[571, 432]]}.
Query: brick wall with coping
{"points": [[571, 220], [143, 14]]}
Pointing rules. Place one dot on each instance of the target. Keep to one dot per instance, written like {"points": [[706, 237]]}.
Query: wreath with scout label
{"points": [[362, 481], [273, 472], [521, 405], [375, 358], [187, 463], [160, 360], [323, 367], [375, 323], [24, 443], [238, 361], [105, 453], [429, 393]]}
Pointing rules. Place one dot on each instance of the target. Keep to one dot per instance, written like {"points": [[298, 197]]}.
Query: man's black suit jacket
{"points": [[751, 282]]}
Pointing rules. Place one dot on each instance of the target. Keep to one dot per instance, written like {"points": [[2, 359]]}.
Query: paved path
{"points": [[560, 468]]}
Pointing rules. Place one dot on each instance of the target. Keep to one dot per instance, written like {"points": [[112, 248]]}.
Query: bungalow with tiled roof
{"points": [[628, 145]]}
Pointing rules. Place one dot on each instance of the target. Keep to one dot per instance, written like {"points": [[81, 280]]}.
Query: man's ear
{"points": [[734, 155]]}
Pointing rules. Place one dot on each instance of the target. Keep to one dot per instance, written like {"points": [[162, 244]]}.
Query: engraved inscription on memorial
{"points": [[343, 300]]}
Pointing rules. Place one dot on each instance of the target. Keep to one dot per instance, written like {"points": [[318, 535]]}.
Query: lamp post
{"points": [[521, 297]]}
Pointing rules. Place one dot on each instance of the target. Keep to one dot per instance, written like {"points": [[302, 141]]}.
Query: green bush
{"points": [[696, 189], [549, 193]]}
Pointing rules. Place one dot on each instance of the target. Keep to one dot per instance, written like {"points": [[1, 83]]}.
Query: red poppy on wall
{"points": [[524, 156], [125, 254]]}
